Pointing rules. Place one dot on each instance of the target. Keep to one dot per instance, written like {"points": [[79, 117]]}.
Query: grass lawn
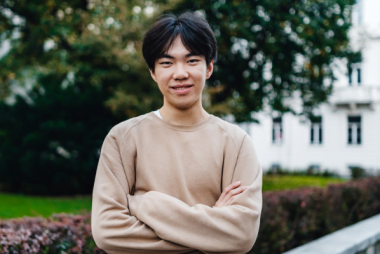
{"points": [[286, 182], [14, 205]]}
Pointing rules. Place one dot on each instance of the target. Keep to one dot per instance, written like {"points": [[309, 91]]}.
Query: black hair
{"points": [[194, 31]]}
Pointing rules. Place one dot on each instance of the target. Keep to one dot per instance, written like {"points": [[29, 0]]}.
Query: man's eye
{"points": [[165, 63], [193, 61]]}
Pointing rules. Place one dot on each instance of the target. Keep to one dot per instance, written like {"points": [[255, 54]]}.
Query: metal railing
{"points": [[355, 94], [360, 238]]}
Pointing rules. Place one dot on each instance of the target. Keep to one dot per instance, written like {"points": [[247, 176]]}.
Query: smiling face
{"points": [[181, 76]]}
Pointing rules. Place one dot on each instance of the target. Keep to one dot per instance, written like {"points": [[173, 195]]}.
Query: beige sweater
{"points": [[156, 185]]}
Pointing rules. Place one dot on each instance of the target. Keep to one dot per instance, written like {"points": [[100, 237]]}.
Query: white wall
{"points": [[334, 154]]}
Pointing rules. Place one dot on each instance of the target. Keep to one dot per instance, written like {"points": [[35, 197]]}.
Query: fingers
{"points": [[225, 192], [232, 198], [229, 193], [234, 192], [229, 188]]}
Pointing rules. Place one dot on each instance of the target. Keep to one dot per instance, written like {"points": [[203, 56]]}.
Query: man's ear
{"points": [[153, 75], [210, 69]]}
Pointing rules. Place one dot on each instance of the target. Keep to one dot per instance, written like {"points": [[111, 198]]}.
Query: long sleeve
{"points": [[231, 229], [114, 229]]}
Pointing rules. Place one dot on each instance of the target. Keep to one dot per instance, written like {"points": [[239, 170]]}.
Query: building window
{"points": [[313, 168], [316, 130], [275, 168], [354, 130], [349, 75], [277, 130], [354, 74]]}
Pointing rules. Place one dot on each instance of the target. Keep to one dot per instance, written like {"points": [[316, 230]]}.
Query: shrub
{"points": [[52, 146], [295, 217], [59, 234], [357, 172], [309, 172], [289, 219]]}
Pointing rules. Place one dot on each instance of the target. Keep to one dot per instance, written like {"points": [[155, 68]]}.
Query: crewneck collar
{"points": [[176, 127]]}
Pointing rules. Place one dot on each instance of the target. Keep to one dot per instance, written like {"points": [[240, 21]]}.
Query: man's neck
{"points": [[189, 116]]}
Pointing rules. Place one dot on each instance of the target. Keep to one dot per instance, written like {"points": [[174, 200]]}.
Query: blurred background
{"points": [[300, 77]]}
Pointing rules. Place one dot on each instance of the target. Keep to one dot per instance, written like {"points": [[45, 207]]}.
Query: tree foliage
{"points": [[52, 147], [75, 69], [64, 37], [270, 51], [71, 58]]}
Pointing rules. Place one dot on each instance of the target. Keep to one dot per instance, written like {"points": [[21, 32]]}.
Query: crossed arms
{"points": [[158, 223]]}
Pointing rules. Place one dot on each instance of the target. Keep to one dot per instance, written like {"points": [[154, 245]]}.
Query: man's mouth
{"points": [[181, 87]]}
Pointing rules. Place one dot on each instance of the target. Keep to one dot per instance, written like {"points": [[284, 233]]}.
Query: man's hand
{"points": [[229, 194]]}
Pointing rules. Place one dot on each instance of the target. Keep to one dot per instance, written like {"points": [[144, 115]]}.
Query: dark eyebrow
{"points": [[166, 56], [192, 54], [171, 57]]}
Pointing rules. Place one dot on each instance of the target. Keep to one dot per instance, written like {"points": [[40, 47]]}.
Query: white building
{"points": [[347, 134]]}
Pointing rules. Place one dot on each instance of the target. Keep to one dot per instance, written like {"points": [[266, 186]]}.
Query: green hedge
{"points": [[289, 219], [51, 147], [295, 217], [59, 234]]}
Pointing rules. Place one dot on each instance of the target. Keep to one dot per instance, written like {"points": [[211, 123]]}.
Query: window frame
{"points": [[316, 130], [354, 130], [277, 130]]}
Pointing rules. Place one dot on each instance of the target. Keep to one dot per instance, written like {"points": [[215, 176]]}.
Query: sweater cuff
{"points": [[134, 203]]}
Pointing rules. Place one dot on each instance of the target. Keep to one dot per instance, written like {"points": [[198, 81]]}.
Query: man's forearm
{"points": [[116, 231], [231, 229], [113, 228]]}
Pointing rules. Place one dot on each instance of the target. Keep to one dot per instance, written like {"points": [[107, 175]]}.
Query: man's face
{"points": [[181, 76]]}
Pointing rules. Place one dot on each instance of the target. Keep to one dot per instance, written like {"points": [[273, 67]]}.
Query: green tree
{"points": [[52, 145], [71, 59], [270, 51], [81, 66]]}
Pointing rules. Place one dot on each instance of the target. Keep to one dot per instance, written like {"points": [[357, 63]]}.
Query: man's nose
{"points": [[180, 72]]}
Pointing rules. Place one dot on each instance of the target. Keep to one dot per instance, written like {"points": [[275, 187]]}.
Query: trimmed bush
{"points": [[295, 217], [59, 234], [289, 219], [357, 172], [308, 172]]}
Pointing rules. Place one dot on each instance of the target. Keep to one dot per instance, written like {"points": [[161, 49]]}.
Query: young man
{"points": [[177, 180]]}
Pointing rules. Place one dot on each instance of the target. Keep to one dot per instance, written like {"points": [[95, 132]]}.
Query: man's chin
{"points": [[183, 105]]}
